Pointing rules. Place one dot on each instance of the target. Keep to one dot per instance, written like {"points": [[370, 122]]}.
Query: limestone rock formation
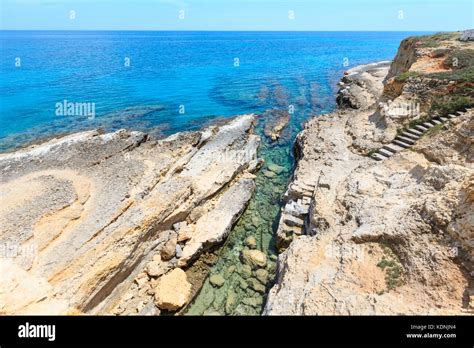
{"points": [[389, 237], [276, 123], [92, 216]]}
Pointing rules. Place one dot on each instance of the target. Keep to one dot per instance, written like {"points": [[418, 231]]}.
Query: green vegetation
{"points": [[393, 269], [461, 63], [405, 76], [418, 121], [373, 151], [436, 39], [466, 74], [460, 59], [451, 103], [434, 130]]}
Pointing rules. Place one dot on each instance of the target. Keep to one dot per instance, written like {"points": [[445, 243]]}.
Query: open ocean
{"points": [[164, 82]]}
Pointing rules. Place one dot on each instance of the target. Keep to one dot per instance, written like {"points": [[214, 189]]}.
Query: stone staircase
{"points": [[295, 212], [294, 218], [294, 215], [411, 135]]}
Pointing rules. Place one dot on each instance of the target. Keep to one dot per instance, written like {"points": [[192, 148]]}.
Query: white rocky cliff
{"points": [[388, 236]]}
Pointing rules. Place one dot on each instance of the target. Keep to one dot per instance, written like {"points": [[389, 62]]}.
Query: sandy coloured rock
{"points": [[378, 237], [254, 258], [173, 290], [96, 208]]}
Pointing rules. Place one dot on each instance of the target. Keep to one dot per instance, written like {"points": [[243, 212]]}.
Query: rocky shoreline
{"points": [[98, 219], [120, 223], [362, 237]]}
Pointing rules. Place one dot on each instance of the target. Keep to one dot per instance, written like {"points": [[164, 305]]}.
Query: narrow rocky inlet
{"points": [[245, 269]]}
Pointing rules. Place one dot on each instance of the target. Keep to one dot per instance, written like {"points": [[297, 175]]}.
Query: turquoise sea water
{"points": [[182, 81], [175, 80]]}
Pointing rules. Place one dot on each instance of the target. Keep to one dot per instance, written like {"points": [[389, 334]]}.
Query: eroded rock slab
{"points": [[87, 212]]}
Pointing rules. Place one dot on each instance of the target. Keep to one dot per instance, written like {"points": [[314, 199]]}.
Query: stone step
{"points": [[292, 229], [428, 125], [305, 186], [414, 131], [309, 184], [436, 122], [302, 191], [444, 119], [410, 136], [452, 116], [384, 152], [401, 144], [405, 139], [291, 220], [295, 209], [393, 148], [421, 128], [379, 157]]}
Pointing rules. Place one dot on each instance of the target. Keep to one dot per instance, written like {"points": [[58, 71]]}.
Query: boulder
{"points": [[169, 249], [254, 258], [217, 280], [262, 275], [251, 242], [157, 268], [173, 290]]}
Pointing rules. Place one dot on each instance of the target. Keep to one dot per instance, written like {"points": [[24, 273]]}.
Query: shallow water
{"points": [[242, 293]]}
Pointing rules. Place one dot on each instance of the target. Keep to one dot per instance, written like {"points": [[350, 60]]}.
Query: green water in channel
{"points": [[244, 290]]}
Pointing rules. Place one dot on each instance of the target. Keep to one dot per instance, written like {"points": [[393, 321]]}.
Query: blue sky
{"points": [[398, 15]]}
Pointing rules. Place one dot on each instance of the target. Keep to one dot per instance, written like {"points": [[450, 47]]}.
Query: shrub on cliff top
{"points": [[459, 59], [466, 74], [405, 76], [436, 39], [450, 104]]}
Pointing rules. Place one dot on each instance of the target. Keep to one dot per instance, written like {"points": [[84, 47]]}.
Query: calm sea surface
{"points": [[165, 82]]}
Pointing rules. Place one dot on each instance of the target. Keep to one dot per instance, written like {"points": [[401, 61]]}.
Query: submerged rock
{"points": [[276, 121], [269, 174], [230, 270], [256, 285], [246, 271], [275, 168], [230, 301], [251, 242], [217, 280], [254, 258], [255, 302], [262, 275]]}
